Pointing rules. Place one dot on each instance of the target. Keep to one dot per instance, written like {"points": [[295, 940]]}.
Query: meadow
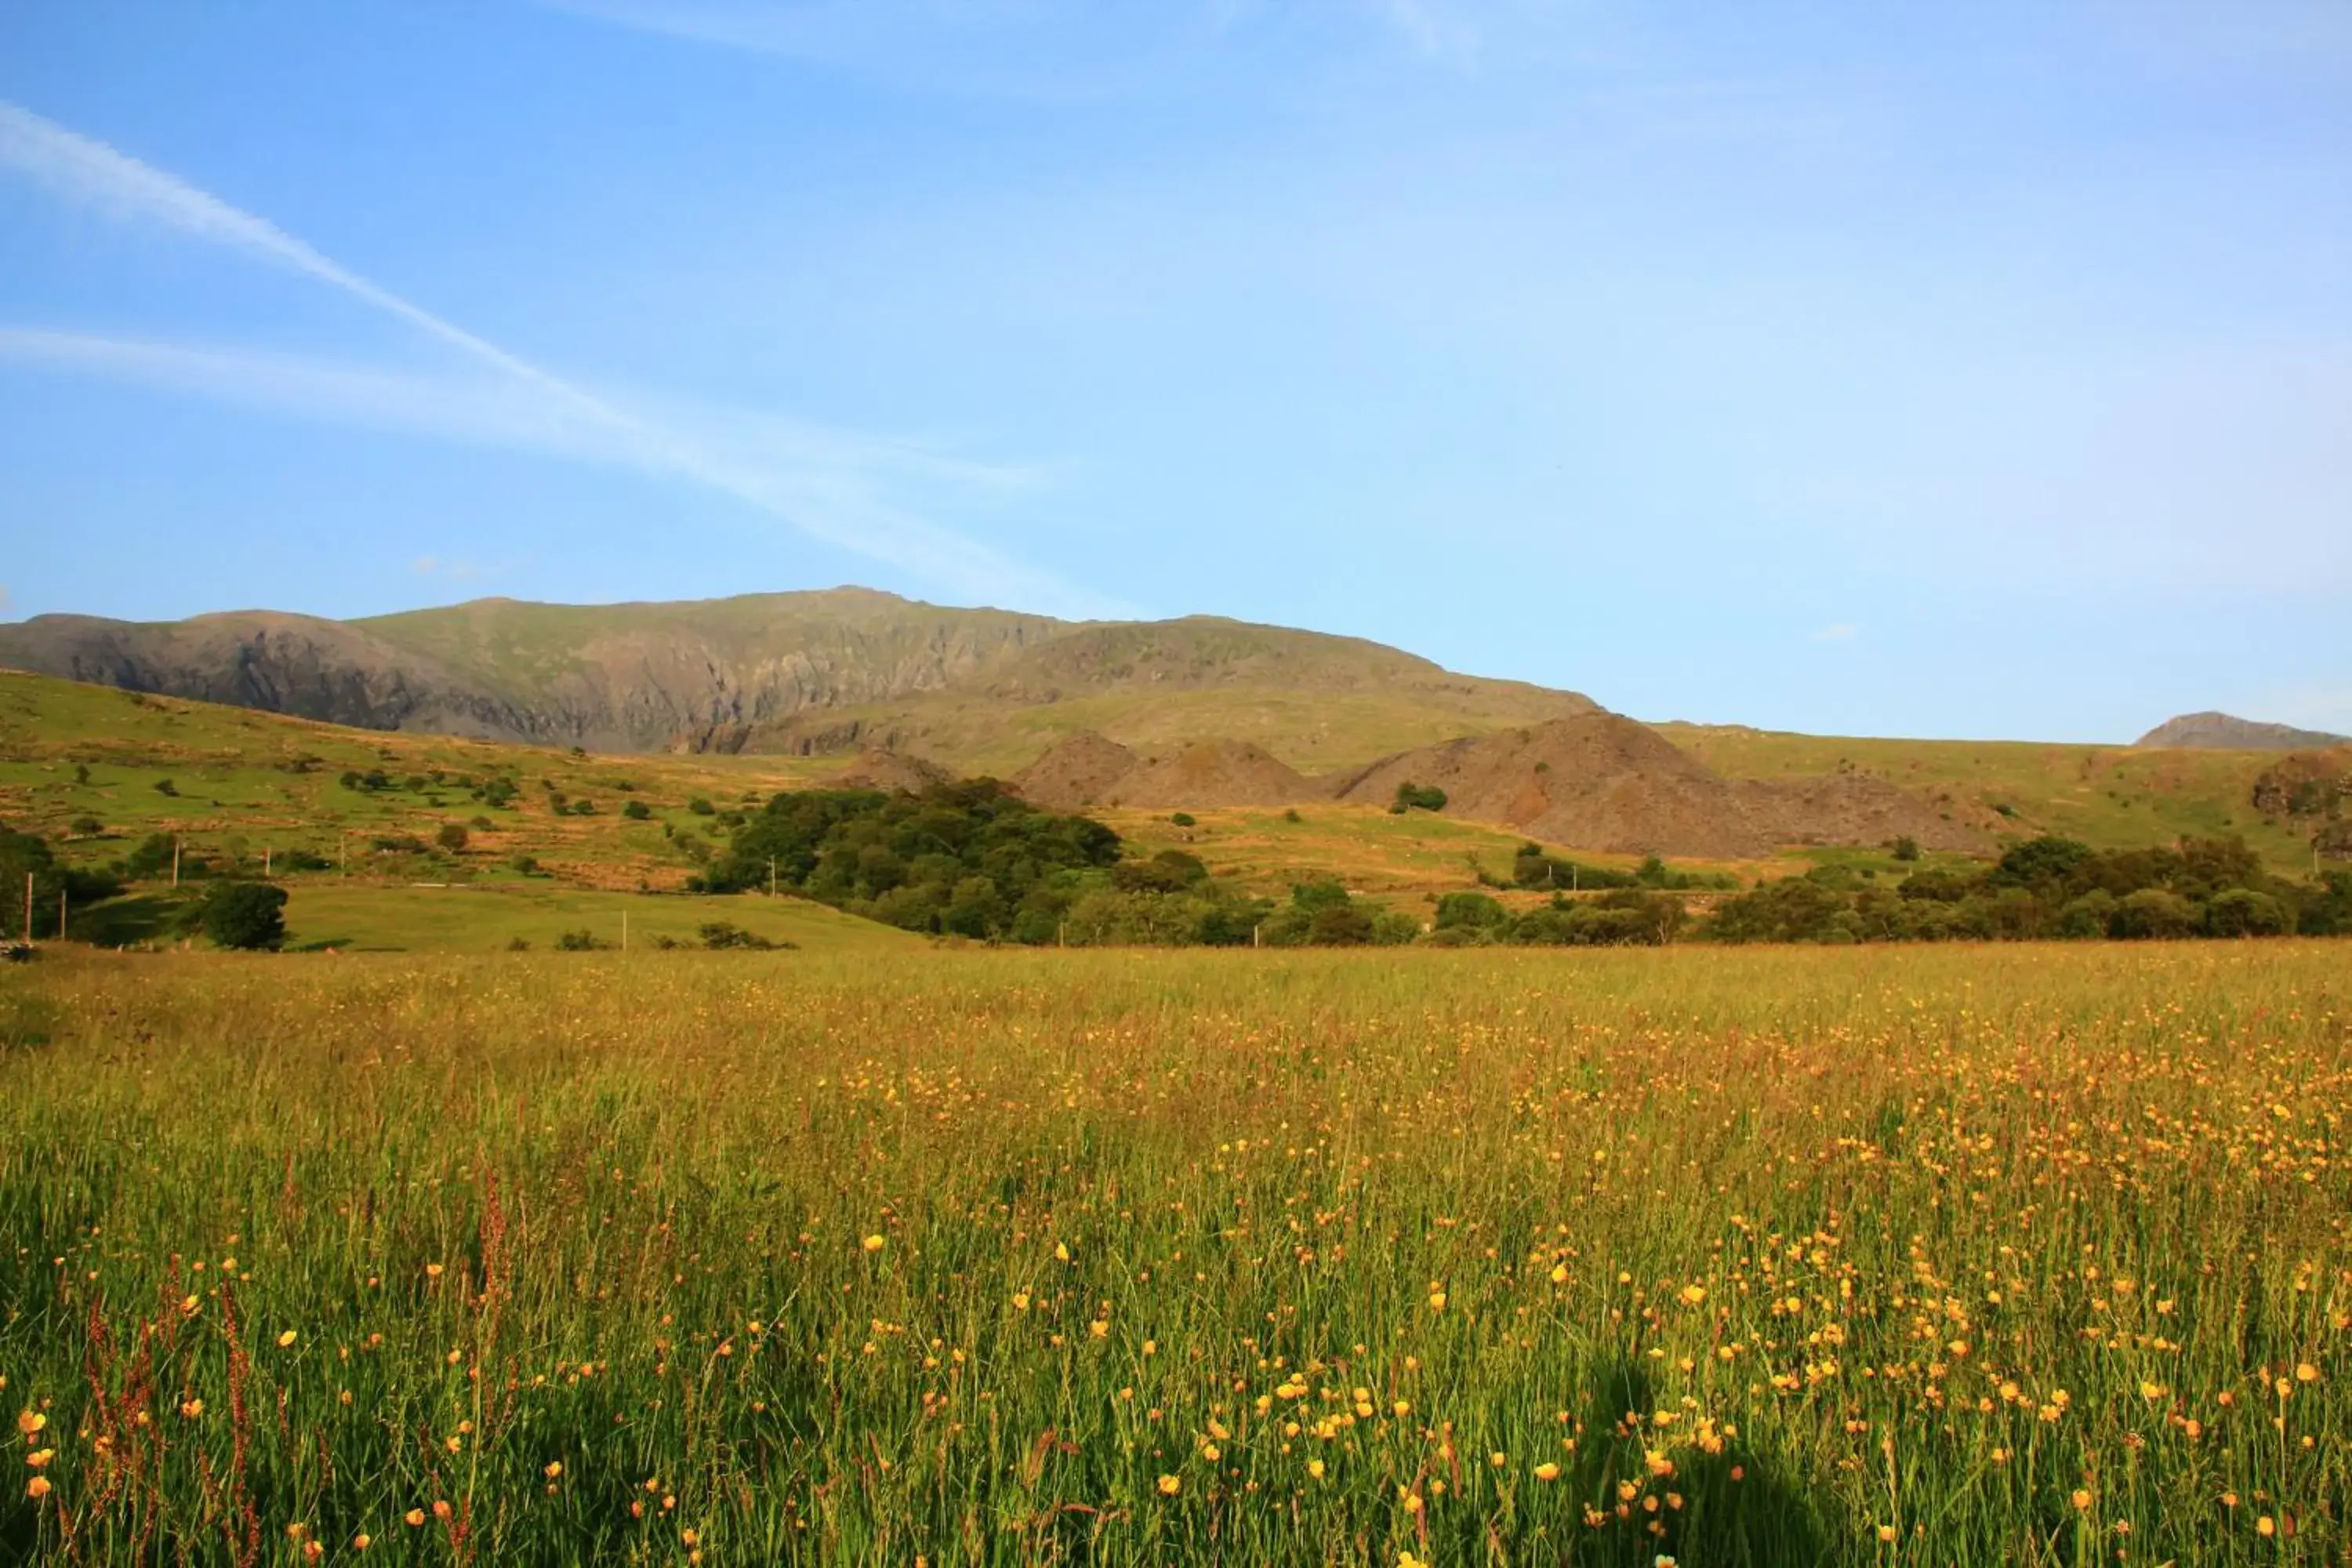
{"points": [[1924, 1254]]}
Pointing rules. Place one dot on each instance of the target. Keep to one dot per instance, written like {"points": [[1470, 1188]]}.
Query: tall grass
{"points": [[1937, 1256]]}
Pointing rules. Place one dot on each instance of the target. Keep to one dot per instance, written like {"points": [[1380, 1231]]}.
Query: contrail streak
{"points": [[83, 169]]}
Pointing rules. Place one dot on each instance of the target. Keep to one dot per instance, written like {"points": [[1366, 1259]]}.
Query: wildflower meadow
{"points": [[1953, 1255]]}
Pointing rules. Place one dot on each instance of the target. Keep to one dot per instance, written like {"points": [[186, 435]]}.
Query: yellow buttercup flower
{"points": [[872, 1244], [1170, 1486]]}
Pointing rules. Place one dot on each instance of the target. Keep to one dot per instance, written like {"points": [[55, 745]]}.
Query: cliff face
{"points": [[813, 672], [633, 677]]}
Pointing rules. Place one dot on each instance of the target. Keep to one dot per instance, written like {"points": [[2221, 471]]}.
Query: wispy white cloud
{"points": [[847, 490], [1842, 631], [864, 492]]}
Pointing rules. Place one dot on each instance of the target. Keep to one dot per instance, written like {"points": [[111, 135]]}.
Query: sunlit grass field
{"points": [[1921, 1255]]}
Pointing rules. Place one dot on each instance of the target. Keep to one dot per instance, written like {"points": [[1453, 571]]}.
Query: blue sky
{"points": [[1976, 370]]}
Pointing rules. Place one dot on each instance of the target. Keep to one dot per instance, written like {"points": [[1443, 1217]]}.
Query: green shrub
{"points": [[1340, 925], [2152, 913], [1410, 796], [244, 915], [721, 935], [1472, 911]]}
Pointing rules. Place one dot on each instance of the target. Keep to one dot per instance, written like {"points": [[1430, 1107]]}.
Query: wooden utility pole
{"points": [[772, 876], [28, 907], [175, 859], [265, 859], [62, 914], [624, 931]]}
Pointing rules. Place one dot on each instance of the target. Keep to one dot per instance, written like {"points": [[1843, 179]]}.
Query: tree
{"points": [[166, 787], [2242, 911], [1410, 796], [1469, 911], [1340, 925], [243, 915], [2040, 864], [2153, 913], [1315, 896], [636, 810], [1906, 848], [452, 836]]}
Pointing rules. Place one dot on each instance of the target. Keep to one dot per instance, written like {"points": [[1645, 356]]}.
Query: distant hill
{"points": [[1198, 713], [2227, 732], [834, 671]]}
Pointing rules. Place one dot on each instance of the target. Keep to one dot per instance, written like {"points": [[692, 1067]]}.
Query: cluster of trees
{"points": [[1625, 917], [2047, 888], [54, 886], [967, 858], [971, 859], [229, 912], [1532, 867]]}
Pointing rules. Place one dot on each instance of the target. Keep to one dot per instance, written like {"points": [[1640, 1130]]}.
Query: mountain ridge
{"points": [[819, 671], [2227, 731]]}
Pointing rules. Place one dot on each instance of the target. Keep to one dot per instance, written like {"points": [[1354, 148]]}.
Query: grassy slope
{"points": [[1314, 732], [479, 919], [2109, 796], [239, 792], [237, 797]]}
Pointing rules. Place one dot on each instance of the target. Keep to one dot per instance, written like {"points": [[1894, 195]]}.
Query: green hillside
{"points": [[81, 766], [789, 673], [2111, 797], [101, 769], [98, 771]]}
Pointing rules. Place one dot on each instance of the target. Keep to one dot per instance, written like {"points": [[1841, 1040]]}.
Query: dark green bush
{"points": [[244, 915]]}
